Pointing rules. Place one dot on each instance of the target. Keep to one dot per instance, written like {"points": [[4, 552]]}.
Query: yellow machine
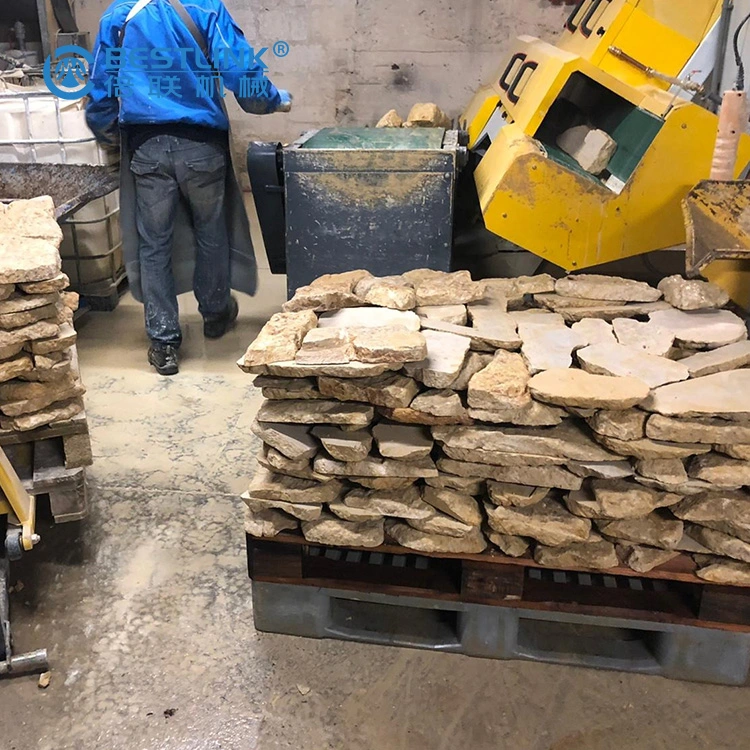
{"points": [[631, 68]]}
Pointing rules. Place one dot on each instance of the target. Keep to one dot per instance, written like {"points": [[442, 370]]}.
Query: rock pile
{"points": [[39, 380], [585, 421]]}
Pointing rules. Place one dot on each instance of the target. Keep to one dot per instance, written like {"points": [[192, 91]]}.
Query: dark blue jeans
{"points": [[166, 167]]}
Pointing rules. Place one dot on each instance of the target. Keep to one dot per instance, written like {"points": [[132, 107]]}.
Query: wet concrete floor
{"points": [[145, 607]]}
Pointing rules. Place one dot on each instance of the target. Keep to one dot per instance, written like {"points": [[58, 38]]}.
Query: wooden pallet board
{"points": [[682, 599]]}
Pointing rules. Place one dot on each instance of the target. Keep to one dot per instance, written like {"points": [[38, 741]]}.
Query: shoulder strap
{"points": [[195, 32]]}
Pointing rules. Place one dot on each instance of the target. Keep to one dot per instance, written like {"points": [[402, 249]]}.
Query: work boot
{"points": [[164, 358], [215, 328]]}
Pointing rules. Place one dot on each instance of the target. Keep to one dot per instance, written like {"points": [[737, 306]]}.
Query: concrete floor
{"points": [[146, 609]]}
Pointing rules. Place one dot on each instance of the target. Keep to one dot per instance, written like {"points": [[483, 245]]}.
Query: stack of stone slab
{"points": [[589, 422], [39, 379]]}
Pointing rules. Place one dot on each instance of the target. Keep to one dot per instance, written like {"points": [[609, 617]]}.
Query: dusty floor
{"points": [[146, 607]]}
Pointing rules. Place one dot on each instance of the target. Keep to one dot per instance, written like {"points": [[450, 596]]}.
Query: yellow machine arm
{"points": [[17, 503]]}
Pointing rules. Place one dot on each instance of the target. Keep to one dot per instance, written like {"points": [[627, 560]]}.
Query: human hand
{"points": [[286, 101]]}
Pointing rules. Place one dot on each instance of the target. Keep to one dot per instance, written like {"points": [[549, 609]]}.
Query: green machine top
{"points": [[376, 139]]}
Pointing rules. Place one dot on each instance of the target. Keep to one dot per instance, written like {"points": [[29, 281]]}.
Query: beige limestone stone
{"points": [[548, 348], [17, 303], [648, 338], [59, 371], [12, 368], [282, 389], [503, 384], [595, 555], [384, 483], [293, 441], [723, 394], [617, 499], [515, 495], [729, 573], [472, 544], [459, 506], [692, 294], [697, 430], [582, 389], [499, 458], [48, 286], [647, 449], [516, 288], [344, 446], [548, 522], [654, 531], [376, 345], [702, 329], [725, 358], [295, 370], [278, 463], [627, 424], [325, 346], [388, 291], [569, 440], [439, 523], [611, 312], [526, 319], [328, 292], [594, 331], [402, 442], [267, 485], [390, 389], [370, 317], [719, 470], [376, 467], [446, 354], [667, 470], [441, 288], [268, 523], [443, 403], [10, 351], [601, 469], [40, 396], [735, 451], [6, 290], [556, 302], [462, 485], [453, 314], [428, 115], [60, 411], [499, 334], [624, 361], [591, 147], [513, 546], [474, 363], [412, 416], [34, 217], [610, 288], [356, 515], [280, 338], [61, 314], [329, 529], [24, 259], [534, 414], [302, 511], [316, 412], [407, 504], [391, 119], [42, 329], [645, 559], [537, 476], [719, 542]]}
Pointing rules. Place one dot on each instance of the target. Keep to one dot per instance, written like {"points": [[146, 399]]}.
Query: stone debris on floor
{"points": [[585, 421], [39, 379]]}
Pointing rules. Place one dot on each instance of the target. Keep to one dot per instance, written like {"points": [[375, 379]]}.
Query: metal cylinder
{"points": [[33, 661]]}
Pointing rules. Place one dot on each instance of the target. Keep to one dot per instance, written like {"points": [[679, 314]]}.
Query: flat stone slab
{"points": [[454, 314], [407, 504], [654, 531], [503, 384], [601, 469], [13, 368], [296, 370], [643, 337], [511, 495], [702, 329], [627, 424], [536, 476], [610, 288], [556, 302], [464, 485], [412, 416], [474, 363], [599, 555], [499, 334], [38, 332], [513, 546], [614, 499], [463, 508], [445, 403], [267, 485], [302, 511], [24, 259], [735, 451], [667, 470], [720, 471], [569, 440], [624, 361], [442, 524], [687, 294], [280, 338], [390, 389], [329, 529], [585, 390], [723, 359], [342, 445], [646, 448], [282, 389], [547, 348], [446, 354], [376, 345], [594, 331], [501, 458], [387, 291], [645, 559], [697, 430], [726, 572], [724, 394], [514, 289], [548, 522], [16, 303], [403, 442], [370, 317], [441, 288], [316, 412], [719, 542], [268, 523], [325, 346], [612, 312], [472, 544], [377, 467], [294, 441], [534, 414]]}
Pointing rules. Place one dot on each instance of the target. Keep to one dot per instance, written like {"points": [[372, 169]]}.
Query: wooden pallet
{"points": [[671, 595]]}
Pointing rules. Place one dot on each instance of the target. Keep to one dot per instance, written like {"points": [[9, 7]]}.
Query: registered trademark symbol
{"points": [[281, 49]]}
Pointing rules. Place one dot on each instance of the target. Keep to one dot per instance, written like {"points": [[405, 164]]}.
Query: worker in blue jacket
{"points": [[160, 74]]}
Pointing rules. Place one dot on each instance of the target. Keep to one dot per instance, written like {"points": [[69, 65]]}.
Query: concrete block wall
{"points": [[352, 60]]}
